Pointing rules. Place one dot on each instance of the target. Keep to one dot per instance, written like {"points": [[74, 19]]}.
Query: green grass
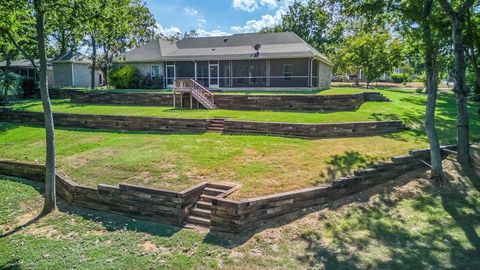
{"points": [[262, 164], [413, 226], [406, 106]]}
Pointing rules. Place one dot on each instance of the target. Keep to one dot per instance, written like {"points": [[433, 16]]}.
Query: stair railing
{"points": [[200, 90]]}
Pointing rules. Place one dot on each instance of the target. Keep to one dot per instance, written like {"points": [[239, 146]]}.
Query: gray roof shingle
{"points": [[236, 47]]}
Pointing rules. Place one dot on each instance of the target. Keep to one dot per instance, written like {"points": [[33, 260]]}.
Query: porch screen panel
{"points": [[185, 70], [289, 72], [315, 73], [202, 73], [224, 74], [249, 73]]}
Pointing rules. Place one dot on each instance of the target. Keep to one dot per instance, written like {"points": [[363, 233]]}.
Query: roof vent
{"points": [[213, 49], [225, 40]]}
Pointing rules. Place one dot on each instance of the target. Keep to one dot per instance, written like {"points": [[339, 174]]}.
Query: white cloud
{"points": [[213, 33], [168, 31], [190, 11], [201, 22], [251, 5], [267, 20]]}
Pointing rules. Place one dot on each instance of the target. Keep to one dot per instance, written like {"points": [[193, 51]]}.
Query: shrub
{"points": [[149, 83], [400, 77], [125, 77], [10, 87], [30, 88]]}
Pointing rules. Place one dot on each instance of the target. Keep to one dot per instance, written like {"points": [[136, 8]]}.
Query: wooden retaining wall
{"points": [[155, 124], [130, 123], [324, 130], [157, 205], [236, 216], [231, 216], [319, 103]]}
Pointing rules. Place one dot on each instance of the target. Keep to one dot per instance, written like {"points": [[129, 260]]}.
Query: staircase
{"points": [[196, 91], [216, 125], [201, 212]]}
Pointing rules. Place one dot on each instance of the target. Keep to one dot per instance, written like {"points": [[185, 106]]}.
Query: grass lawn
{"points": [[262, 164], [406, 106], [412, 226]]}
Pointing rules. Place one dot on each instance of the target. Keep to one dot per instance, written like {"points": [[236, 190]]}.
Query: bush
{"points": [[125, 77], [10, 87], [30, 88], [149, 83], [400, 78]]}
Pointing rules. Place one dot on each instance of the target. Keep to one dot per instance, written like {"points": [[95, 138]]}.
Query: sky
{"points": [[216, 17]]}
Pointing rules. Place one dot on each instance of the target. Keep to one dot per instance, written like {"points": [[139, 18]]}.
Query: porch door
{"points": [[170, 75], [213, 75]]}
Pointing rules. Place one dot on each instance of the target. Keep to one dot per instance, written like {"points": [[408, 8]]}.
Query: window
{"points": [[287, 72], [100, 80], [155, 71]]}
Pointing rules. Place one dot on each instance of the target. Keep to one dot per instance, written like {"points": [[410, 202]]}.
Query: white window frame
{"points": [[167, 77], [151, 71]]}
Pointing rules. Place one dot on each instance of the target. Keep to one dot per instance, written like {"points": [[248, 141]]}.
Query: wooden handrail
{"points": [[198, 91]]}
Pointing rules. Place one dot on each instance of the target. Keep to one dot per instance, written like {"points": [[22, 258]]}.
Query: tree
{"points": [[17, 18], [457, 18], [373, 53], [123, 24], [432, 90]]}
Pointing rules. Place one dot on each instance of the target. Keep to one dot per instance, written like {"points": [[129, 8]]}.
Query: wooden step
{"points": [[201, 212], [213, 191], [220, 186], [206, 198], [204, 205], [215, 129], [198, 220], [217, 125]]}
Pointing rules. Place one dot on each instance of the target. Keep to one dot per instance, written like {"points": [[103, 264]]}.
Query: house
{"points": [[74, 70], [256, 60], [25, 69]]}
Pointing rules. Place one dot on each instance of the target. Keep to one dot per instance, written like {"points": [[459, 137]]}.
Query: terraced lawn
{"points": [[414, 225], [406, 106], [262, 164]]}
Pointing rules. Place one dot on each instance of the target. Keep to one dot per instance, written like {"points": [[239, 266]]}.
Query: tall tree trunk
{"points": [[357, 77], [460, 88], [94, 60], [432, 89], [461, 92], [6, 82], [50, 187]]}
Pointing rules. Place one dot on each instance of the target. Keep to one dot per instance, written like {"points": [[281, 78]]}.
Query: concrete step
{"points": [[204, 205], [206, 198], [213, 191], [198, 220], [201, 213]]}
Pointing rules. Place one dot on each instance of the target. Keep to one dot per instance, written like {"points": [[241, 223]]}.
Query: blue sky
{"points": [[216, 17]]}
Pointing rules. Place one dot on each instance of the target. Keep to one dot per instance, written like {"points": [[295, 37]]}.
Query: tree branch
{"points": [[466, 6], [447, 7], [10, 37]]}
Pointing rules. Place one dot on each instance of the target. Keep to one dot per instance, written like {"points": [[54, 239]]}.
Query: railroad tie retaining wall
{"points": [[226, 215], [324, 130], [347, 102], [236, 216], [131, 123], [138, 202], [340, 102]]}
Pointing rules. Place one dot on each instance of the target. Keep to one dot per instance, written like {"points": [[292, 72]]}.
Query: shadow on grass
{"points": [[400, 242]]}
